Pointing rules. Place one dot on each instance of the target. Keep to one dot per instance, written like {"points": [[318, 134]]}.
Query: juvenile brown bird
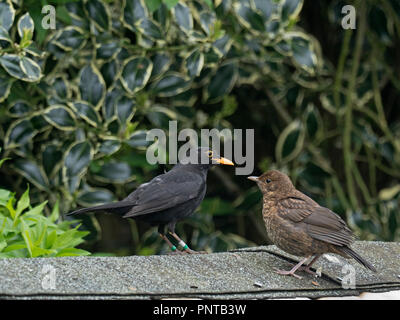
{"points": [[298, 225]]}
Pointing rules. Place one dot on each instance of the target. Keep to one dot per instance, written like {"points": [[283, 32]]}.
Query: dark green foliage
{"points": [[76, 103]]}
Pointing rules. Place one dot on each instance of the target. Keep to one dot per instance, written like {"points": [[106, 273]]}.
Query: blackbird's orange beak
{"points": [[253, 178], [224, 161]]}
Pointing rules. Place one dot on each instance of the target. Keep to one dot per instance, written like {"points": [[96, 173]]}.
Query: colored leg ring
{"points": [[182, 244]]}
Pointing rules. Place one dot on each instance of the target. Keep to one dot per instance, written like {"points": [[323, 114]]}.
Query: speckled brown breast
{"points": [[300, 226], [289, 236]]}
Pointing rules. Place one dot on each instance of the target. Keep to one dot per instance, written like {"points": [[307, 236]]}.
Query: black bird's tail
{"points": [[358, 258], [120, 207]]}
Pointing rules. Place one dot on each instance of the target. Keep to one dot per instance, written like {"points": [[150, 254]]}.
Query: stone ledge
{"points": [[241, 274]]}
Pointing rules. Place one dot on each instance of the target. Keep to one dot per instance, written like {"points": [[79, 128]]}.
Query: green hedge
{"points": [[77, 101]]}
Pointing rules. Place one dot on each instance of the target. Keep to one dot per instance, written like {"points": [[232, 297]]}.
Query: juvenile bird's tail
{"points": [[358, 258], [120, 207]]}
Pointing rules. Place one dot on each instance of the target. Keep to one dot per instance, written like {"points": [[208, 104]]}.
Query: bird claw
{"points": [[287, 273], [190, 251], [186, 251], [176, 253], [308, 270]]}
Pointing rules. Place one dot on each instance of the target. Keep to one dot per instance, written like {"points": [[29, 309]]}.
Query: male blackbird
{"points": [[300, 226], [167, 198]]}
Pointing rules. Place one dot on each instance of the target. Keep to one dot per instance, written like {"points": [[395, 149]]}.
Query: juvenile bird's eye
{"points": [[268, 180], [209, 154]]}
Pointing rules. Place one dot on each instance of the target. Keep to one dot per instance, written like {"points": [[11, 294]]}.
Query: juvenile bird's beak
{"points": [[224, 161], [253, 178]]}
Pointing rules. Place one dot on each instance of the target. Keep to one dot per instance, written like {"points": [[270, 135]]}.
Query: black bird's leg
{"points": [[184, 246], [181, 243], [161, 231], [171, 246]]}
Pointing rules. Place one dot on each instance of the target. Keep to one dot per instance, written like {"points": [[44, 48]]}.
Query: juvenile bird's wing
{"points": [[165, 191], [319, 222]]}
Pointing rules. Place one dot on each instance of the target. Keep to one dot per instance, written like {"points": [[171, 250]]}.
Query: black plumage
{"points": [[167, 198]]}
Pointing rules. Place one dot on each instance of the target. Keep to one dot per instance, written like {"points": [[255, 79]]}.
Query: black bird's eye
{"points": [[209, 154], [268, 180]]}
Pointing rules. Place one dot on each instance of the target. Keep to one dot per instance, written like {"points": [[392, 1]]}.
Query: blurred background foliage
{"points": [[77, 101]]}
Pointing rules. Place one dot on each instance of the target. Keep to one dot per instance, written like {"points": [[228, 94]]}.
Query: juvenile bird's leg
{"points": [[308, 266], [170, 244], [184, 246], [293, 270]]}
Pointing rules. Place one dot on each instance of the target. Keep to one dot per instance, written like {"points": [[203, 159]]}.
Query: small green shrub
{"points": [[26, 232]]}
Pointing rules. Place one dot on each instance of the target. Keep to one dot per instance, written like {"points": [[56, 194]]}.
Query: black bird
{"points": [[167, 198]]}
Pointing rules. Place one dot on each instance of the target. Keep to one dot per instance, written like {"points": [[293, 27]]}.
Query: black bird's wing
{"points": [[319, 222], [165, 191]]}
